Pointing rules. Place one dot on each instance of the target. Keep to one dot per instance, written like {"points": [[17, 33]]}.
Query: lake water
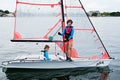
{"points": [[108, 29]]}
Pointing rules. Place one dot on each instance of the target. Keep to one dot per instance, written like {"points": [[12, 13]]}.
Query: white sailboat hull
{"points": [[57, 64]]}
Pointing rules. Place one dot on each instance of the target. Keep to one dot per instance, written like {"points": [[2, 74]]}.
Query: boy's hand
{"points": [[66, 40], [59, 33]]}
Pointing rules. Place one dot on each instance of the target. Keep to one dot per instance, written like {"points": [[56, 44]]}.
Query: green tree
{"points": [[1, 10], [6, 11], [115, 14], [94, 14], [105, 14]]}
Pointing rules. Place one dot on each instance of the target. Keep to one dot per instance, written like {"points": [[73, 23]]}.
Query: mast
{"points": [[94, 28], [63, 17], [63, 20]]}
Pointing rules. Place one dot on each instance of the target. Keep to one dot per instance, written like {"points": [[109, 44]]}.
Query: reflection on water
{"points": [[66, 74]]}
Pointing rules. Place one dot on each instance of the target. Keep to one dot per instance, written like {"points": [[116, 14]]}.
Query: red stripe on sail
{"points": [[46, 36], [100, 47], [73, 7], [17, 35], [74, 53], [92, 31], [105, 55], [52, 5], [58, 15], [96, 39]]}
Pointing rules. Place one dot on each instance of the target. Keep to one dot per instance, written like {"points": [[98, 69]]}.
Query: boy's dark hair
{"points": [[46, 46], [69, 20]]}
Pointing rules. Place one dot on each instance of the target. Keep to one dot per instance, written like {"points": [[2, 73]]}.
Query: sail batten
{"points": [[73, 7], [35, 40], [52, 5]]}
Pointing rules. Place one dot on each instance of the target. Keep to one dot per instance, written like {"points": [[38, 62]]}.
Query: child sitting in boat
{"points": [[45, 51]]}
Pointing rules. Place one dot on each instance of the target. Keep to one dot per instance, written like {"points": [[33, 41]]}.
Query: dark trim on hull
{"points": [[44, 70]]}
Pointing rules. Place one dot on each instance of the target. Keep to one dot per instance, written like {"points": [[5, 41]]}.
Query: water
{"points": [[109, 31]]}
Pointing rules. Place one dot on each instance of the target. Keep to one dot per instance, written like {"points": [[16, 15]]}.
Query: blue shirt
{"points": [[46, 54], [71, 34]]}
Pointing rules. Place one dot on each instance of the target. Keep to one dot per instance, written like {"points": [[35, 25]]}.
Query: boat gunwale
{"points": [[4, 63]]}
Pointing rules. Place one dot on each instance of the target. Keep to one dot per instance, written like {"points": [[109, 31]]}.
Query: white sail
{"points": [[86, 39], [34, 18]]}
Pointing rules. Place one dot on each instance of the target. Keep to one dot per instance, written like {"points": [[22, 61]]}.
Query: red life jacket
{"points": [[68, 30]]}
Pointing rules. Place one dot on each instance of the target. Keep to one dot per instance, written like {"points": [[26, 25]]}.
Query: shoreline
{"points": [[76, 15]]}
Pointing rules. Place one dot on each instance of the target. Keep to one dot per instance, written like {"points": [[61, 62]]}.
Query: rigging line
{"points": [[57, 31], [94, 29]]}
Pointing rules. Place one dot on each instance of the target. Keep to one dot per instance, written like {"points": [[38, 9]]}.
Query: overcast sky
{"points": [[101, 5]]}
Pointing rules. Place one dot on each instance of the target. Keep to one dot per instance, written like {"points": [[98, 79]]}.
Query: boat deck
{"points": [[55, 63]]}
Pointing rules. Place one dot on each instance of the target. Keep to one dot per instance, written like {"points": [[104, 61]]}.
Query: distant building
{"points": [[94, 13], [11, 14], [2, 14]]}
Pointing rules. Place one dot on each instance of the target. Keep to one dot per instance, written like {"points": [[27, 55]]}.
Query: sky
{"points": [[90, 5], [102, 5]]}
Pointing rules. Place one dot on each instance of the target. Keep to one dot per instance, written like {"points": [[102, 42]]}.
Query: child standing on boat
{"points": [[45, 51], [68, 33]]}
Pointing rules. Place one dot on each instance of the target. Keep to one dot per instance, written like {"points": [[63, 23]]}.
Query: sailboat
{"points": [[39, 21]]}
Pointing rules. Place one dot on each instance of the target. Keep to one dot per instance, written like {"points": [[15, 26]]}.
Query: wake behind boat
{"points": [[39, 21]]}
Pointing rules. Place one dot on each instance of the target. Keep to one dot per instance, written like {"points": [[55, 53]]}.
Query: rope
{"points": [[57, 31]]}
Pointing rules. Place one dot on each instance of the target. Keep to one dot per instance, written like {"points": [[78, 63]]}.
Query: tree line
{"points": [[93, 14], [106, 14], [6, 11]]}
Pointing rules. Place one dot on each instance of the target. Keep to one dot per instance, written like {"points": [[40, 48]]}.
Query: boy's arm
{"points": [[42, 50], [47, 55], [63, 32]]}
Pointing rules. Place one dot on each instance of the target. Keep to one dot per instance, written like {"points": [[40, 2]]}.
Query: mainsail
{"points": [[34, 18], [38, 20]]}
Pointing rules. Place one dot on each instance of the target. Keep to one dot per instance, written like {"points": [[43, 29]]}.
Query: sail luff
{"points": [[94, 29], [15, 18], [62, 8], [63, 20]]}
